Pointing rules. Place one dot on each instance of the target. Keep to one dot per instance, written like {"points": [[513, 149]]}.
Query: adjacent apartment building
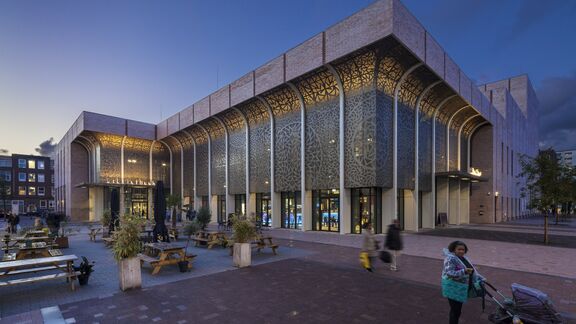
{"points": [[28, 183], [368, 121], [567, 158]]}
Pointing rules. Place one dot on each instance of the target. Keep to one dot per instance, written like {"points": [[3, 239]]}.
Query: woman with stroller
{"points": [[460, 279]]}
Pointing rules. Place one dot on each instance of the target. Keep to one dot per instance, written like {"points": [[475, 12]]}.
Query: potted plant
{"points": [[190, 229], [244, 232], [126, 248], [85, 269], [61, 238], [203, 217], [106, 219]]}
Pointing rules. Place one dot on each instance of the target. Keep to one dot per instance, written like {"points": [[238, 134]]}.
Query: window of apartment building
{"points": [[41, 191], [52, 178], [40, 177], [21, 190], [7, 163], [51, 204], [21, 176], [22, 163], [42, 203], [6, 175], [31, 164], [40, 165], [31, 177], [31, 191]]}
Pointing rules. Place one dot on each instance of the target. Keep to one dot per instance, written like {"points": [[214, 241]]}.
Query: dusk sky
{"points": [[146, 60]]}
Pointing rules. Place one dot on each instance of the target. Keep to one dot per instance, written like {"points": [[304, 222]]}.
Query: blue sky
{"points": [[146, 60]]}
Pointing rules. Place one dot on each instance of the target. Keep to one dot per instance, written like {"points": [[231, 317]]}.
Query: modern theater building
{"points": [[368, 120]]}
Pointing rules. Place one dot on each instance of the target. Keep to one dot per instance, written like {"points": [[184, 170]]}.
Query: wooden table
{"points": [[161, 254], [63, 263], [265, 242], [209, 238], [35, 234]]}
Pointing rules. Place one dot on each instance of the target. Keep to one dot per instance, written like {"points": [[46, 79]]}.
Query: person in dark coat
{"points": [[394, 243]]}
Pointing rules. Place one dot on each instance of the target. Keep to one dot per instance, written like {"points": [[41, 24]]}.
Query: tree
{"points": [[4, 193], [173, 202], [548, 184]]}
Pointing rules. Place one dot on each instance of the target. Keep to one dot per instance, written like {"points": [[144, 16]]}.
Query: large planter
{"points": [[242, 255], [62, 242], [130, 275]]}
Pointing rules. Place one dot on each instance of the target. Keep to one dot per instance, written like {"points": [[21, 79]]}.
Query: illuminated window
{"points": [[31, 191], [40, 177], [31, 177], [22, 163], [41, 165], [31, 164], [22, 177], [21, 190], [41, 191]]}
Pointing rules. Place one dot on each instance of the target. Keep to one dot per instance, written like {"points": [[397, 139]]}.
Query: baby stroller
{"points": [[527, 305]]}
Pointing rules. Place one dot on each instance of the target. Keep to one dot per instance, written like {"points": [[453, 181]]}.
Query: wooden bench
{"points": [[108, 241], [158, 262], [63, 263], [199, 240]]}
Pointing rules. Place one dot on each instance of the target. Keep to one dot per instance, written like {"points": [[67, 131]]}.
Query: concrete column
{"points": [[345, 208], [410, 210], [251, 205], [454, 201], [96, 202], [442, 196], [394, 207], [306, 197], [428, 210], [464, 202], [435, 211], [122, 160], [150, 204], [274, 196], [122, 195], [387, 204], [213, 203]]}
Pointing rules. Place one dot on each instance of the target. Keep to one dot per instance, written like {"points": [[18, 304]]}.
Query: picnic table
{"points": [[35, 250], [259, 244], [210, 238], [64, 263], [162, 253], [34, 233]]}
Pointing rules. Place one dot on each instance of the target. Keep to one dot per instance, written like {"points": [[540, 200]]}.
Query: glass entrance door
{"points": [[264, 209], [291, 210], [326, 210]]}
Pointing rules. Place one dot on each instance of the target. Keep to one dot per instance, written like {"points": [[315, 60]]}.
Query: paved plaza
{"points": [[315, 278]]}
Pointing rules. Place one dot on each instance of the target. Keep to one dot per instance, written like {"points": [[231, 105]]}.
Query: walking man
{"points": [[394, 243]]}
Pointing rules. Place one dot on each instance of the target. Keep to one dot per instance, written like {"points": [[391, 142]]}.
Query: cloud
{"points": [[4, 151], [531, 12], [47, 147], [557, 96]]}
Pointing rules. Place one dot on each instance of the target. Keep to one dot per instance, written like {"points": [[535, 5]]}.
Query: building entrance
{"points": [[326, 210], [264, 209]]}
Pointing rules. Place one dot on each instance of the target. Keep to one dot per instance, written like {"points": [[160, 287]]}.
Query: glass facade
{"points": [[291, 209], [240, 204], [221, 209], [205, 202], [264, 209], [136, 201], [366, 207], [326, 210]]}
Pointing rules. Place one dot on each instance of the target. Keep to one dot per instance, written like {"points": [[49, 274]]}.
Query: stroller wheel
{"points": [[500, 317]]}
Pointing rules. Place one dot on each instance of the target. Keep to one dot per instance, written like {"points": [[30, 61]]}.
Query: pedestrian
{"points": [[394, 243], [369, 246], [193, 214], [15, 222], [9, 222], [460, 279]]}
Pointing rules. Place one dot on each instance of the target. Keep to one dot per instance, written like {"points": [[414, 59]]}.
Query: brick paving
{"points": [[309, 282], [565, 241]]}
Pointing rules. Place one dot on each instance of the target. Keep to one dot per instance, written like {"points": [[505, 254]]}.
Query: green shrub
{"points": [[127, 241], [191, 228], [203, 217], [244, 230], [106, 218]]}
